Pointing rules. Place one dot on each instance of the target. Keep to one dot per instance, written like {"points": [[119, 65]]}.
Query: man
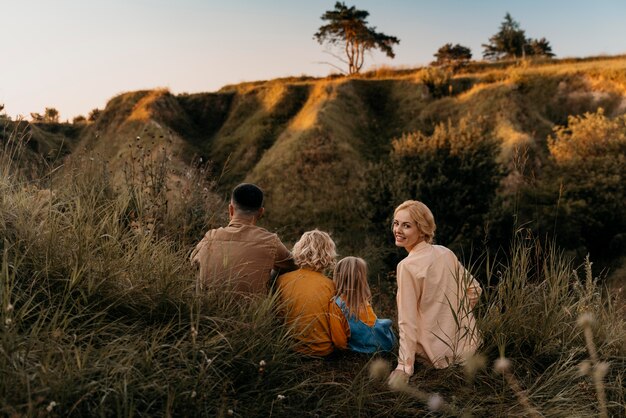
{"points": [[241, 255]]}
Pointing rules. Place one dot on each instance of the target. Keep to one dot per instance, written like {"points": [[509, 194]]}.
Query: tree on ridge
{"points": [[511, 42], [454, 56], [347, 27]]}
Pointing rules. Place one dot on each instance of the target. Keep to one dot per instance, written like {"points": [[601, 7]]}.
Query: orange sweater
{"points": [[305, 298]]}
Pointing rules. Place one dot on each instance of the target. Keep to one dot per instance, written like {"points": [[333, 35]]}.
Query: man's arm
{"points": [[283, 261]]}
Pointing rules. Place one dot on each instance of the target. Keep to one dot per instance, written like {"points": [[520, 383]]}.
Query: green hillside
{"points": [[323, 149]]}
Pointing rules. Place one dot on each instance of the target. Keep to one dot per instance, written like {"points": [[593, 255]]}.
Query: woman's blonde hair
{"points": [[422, 216], [350, 277], [315, 250]]}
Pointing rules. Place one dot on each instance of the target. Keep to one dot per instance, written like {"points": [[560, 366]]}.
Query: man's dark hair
{"points": [[247, 197]]}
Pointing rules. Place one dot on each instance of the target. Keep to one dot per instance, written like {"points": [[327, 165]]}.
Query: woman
{"points": [[435, 296], [306, 295]]}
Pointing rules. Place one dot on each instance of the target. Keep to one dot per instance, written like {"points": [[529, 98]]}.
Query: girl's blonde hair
{"points": [[350, 277], [315, 250], [422, 216]]}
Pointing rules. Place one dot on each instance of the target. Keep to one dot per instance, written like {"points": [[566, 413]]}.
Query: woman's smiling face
{"points": [[406, 231]]}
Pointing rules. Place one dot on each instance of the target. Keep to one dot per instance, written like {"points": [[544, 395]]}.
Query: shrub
{"points": [[453, 171], [437, 80], [579, 196]]}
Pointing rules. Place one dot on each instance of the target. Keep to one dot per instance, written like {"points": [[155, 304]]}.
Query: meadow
{"points": [[99, 316]]}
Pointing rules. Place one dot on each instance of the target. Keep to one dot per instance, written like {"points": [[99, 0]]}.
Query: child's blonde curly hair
{"points": [[315, 250]]}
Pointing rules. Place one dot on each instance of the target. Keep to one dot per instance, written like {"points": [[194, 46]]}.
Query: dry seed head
{"points": [[502, 365], [51, 406], [585, 320], [584, 367], [379, 369], [280, 397], [9, 308], [601, 369], [473, 364], [435, 402], [262, 363]]}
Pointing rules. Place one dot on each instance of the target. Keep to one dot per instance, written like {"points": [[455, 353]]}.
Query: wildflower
{"points": [[502, 365], [8, 321], [585, 320], [280, 397], [262, 363], [231, 412], [379, 369], [9, 308], [51, 406], [435, 402]]}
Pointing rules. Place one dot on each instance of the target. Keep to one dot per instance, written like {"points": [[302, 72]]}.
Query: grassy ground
{"points": [[98, 317]]}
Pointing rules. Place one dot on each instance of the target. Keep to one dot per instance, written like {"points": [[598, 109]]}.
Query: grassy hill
{"points": [[317, 146], [99, 315], [328, 152]]}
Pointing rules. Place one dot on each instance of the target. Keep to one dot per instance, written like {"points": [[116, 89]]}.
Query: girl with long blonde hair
{"points": [[352, 308]]}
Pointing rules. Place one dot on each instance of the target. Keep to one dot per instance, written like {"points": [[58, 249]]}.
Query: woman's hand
{"points": [[398, 379]]}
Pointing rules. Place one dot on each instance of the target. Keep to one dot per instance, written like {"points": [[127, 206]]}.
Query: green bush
{"points": [[578, 198], [438, 81], [453, 171]]}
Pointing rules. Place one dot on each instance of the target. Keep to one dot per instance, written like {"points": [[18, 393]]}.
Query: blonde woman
{"points": [[353, 311], [306, 292], [435, 296]]}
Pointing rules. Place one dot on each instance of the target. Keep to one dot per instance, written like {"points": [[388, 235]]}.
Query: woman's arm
{"points": [[409, 293], [473, 289]]}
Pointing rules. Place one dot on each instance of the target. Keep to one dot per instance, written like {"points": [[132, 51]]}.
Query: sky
{"points": [[75, 55]]}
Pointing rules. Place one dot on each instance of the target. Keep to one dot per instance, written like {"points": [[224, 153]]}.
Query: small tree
{"points": [[509, 42], [79, 119], [51, 115], [539, 47], [454, 56], [347, 27], [93, 115]]}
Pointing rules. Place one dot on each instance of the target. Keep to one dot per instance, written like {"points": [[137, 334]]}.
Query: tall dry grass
{"points": [[97, 319]]}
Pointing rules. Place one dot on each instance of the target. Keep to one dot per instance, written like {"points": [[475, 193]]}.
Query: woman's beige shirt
{"points": [[435, 297]]}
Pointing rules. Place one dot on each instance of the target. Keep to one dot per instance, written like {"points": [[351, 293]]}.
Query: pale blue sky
{"points": [[75, 55]]}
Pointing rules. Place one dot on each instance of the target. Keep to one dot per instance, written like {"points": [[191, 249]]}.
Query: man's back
{"points": [[240, 256]]}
